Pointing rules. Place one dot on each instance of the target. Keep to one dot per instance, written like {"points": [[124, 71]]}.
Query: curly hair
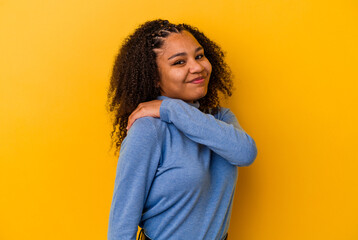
{"points": [[135, 73]]}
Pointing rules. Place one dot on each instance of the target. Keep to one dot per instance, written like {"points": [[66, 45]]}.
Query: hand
{"points": [[145, 109]]}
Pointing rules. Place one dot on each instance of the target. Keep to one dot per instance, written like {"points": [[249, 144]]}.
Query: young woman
{"points": [[179, 150]]}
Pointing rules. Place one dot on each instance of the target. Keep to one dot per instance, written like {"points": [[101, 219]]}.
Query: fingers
{"points": [[150, 109], [134, 115]]}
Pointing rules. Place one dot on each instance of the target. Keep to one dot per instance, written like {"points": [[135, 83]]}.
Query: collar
{"points": [[196, 104]]}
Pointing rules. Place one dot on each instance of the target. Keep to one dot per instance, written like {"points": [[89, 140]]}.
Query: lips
{"points": [[197, 80]]}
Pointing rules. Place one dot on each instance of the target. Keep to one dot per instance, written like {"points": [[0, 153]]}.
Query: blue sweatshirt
{"points": [[176, 175]]}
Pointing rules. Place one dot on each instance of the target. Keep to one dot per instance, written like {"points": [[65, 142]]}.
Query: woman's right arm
{"points": [[138, 161]]}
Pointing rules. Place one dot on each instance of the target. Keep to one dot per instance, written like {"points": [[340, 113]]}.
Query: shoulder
{"points": [[145, 130], [144, 126], [224, 113], [141, 148]]}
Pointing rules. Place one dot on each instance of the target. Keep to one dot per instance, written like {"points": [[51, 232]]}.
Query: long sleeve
{"points": [[224, 136], [139, 157]]}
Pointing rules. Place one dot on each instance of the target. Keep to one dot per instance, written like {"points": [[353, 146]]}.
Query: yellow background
{"points": [[295, 67]]}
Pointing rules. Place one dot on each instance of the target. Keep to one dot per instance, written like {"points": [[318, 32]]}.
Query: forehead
{"points": [[178, 42]]}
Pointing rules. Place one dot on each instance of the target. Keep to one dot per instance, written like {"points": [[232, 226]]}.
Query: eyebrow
{"points": [[183, 53]]}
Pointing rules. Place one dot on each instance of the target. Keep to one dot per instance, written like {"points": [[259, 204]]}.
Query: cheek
{"points": [[176, 76], [208, 66], [172, 79]]}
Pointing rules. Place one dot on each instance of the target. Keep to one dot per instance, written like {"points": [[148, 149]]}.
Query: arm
{"points": [[139, 157], [224, 136]]}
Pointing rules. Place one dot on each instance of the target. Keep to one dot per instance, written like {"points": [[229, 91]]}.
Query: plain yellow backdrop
{"points": [[295, 68]]}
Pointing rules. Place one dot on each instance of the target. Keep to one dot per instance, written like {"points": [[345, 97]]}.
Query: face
{"points": [[183, 68]]}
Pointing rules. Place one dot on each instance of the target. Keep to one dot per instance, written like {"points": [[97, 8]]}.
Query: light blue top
{"points": [[176, 175]]}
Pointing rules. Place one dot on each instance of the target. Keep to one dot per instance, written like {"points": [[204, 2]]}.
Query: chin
{"points": [[199, 96]]}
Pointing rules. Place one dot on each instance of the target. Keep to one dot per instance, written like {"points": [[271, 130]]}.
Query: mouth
{"points": [[197, 80]]}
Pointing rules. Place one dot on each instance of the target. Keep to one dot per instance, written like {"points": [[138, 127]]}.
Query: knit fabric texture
{"points": [[176, 175]]}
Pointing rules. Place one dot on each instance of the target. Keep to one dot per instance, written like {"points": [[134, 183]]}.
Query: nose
{"points": [[195, 66]]}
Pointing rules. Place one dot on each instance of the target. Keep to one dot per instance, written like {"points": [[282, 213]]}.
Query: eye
{"points": [[178, 62], [200, 56]]}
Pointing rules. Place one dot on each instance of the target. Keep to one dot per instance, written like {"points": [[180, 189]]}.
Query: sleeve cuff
{"points": [[164, 110]]}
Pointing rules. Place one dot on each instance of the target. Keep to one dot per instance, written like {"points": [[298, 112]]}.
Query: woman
{"points": [[179, 150]]}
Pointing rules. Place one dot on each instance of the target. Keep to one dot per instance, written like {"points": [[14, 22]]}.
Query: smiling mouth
{"points": [[198, 80]]}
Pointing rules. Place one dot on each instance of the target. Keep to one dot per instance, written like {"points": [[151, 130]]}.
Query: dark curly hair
{"points": [[135, 74]]}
